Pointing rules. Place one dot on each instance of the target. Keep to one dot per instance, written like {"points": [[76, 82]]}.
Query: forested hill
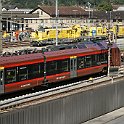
{"points": [[34, 3]]}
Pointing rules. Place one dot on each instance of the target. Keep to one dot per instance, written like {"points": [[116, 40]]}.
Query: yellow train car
{"points": [[120, 30], [71, 32], [77, 31], [94, 31], [101, 31]]}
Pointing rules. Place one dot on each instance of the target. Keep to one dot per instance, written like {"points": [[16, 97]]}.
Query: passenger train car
{"points": [[55, 64]]}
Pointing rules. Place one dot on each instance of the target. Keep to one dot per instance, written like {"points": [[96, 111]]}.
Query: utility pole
{"points": [[110, 17], [89, 5], [109, 56], [56, 22], [11, 26], [0, 27], [109, 60], [45, 80]]}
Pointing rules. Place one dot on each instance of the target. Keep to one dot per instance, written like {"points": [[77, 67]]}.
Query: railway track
{"points": [[16, 44], [61, 91]]}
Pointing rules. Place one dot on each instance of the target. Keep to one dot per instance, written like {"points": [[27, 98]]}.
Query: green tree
{"points": [[33, 3], [105, 6]]}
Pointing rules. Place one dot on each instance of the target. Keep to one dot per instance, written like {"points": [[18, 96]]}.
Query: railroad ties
{"points": [[16, 44]]}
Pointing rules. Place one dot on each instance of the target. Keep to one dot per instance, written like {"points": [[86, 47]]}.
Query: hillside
{"points": [[34, 3]]}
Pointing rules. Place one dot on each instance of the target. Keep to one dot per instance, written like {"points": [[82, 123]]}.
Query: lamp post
{"points": [[89, 5], [11, 26]]}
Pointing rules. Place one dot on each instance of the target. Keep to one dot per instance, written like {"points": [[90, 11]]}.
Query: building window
{"points": [[36, 20], [26, 21], [41, 12], [51, 21], [46, 21], [68, 21]]}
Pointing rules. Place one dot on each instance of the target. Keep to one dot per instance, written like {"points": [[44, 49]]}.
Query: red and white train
{"points": [[69, 61]]}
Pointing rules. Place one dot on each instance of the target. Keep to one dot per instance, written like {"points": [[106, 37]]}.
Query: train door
{"points": [[73, 66], [1, 81]]}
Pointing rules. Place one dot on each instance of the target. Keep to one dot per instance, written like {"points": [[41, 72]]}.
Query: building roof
{"points": [[7, 7], [19, 15], [20, 10], [121, 8], [115, 7], [107, 14], [62, 10]]}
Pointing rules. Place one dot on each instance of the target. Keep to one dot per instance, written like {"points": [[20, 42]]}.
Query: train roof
{"points": [[19, 59], [32, 58], [71, 50]]}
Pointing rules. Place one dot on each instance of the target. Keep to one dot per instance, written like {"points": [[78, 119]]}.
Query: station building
{"points": [[45, 17]]}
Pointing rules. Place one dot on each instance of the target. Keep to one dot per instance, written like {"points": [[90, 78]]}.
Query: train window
{"points": [[23, 73], [98, 59], [10, 75], [94, 60], [80, 62], [88, 61], [34, 71], [41, 69], [64, 65], [51, 67], [103, 58]]}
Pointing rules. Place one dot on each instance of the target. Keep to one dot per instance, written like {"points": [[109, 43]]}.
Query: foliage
{"points": [[33, 3], [105, 6]]}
